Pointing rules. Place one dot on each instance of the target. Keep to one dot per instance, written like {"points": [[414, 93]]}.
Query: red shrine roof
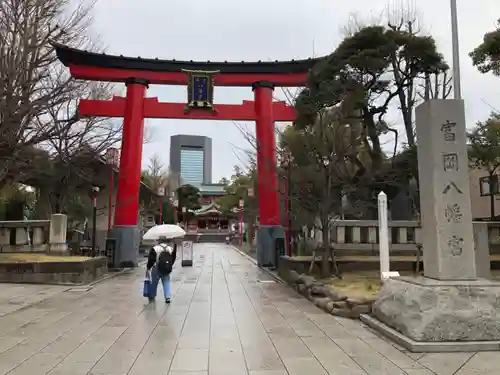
{"points": [[206, 209], [72, 56]]}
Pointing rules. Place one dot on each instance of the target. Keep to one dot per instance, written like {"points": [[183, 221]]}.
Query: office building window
{"points": [[192, 162]]}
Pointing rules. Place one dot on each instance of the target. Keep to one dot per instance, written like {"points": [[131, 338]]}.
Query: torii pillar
{"points": [[125, 230], [271, 236]]}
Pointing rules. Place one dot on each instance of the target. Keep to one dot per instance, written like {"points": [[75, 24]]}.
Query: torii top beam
{"points": [[102, 67]]}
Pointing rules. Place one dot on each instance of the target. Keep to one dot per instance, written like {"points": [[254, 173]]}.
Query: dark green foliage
{"points": [[484, 144], [237, 188], [364, 74], [189, 197], [486, 57]]}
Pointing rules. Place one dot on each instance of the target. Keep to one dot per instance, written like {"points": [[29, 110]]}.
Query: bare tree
{"points": [[404, 18], [157, 174], [32, 84], [357, 21], [436, 86], [74, 151]]}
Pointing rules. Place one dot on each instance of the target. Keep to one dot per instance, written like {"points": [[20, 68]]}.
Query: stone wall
{"points": [[327, 298], [301, 265], [62, 273]]}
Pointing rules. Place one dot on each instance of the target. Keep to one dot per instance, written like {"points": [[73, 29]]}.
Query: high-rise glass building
{"points": [[191, 159]]}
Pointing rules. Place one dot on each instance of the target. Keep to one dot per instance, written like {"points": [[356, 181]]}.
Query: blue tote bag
{"points": [[146, 290]]}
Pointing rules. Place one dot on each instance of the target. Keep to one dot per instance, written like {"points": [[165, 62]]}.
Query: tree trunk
{"points": [[335, 268], [325, 264], [376, 152], [493, 189]]}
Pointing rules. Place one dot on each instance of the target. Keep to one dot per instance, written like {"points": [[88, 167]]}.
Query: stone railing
{"points": [[404, 236], [34, 235]]}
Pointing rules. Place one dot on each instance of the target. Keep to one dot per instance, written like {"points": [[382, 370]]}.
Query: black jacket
{"points": [[153, 256]]}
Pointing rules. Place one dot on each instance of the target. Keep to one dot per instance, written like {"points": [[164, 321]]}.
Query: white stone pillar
{"points": [[448, 243], [57, 236], [383, 234]]}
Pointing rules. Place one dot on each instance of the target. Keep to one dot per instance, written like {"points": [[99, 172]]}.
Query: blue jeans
{"points": [[165, 281]]}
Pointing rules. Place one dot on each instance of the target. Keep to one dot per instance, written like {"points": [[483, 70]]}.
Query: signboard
{"points": [[112, 156], [111, 251], [187, 253], [200, 88], [488, 186]]}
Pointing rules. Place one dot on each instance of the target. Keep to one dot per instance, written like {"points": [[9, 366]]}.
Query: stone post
{"points": [[57, 236], [383, 232], [448, 242]]}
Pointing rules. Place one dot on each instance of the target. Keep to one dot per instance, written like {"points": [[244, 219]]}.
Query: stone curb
{"points": [[123, 271], [254, 261], [429, 347], [329, 304]]}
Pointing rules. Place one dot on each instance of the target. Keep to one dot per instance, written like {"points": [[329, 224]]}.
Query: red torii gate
{"points": [[138, 73]]}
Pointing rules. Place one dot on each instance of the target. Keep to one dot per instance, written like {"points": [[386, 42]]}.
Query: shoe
{"points": [[167, 300], [151, 299]]}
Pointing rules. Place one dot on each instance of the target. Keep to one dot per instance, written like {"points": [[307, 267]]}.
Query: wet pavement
{"points": [[226, 318]]}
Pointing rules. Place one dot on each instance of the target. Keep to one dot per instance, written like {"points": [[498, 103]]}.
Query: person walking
{"points": [[161, 261]]}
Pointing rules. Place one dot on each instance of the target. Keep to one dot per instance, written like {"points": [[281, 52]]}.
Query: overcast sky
{"points": [[269, 29]]}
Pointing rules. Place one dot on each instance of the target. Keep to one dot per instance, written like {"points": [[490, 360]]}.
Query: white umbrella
{"points": [[168, 231]]}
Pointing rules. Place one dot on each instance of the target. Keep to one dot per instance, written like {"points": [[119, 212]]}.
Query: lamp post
{"points": [[241, 204], [288, 222], [455, 50], [111, 156], [251, 194], [184, 223], [175, 203], [161, 193], [93, 193]]}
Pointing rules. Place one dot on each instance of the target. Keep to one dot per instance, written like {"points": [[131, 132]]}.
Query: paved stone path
{"points": [[14, 297], [226, 318]]}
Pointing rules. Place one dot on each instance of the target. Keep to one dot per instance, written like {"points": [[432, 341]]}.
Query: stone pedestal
{"points": [[450, 309], [268, 239], [57, 234], [128, 240], [424, 309]]}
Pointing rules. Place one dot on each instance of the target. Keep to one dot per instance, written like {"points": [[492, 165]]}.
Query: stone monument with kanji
{"points": [[450, 308]]}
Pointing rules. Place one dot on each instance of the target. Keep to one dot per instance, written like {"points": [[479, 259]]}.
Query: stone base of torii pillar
{"points": [[450, 308]]}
